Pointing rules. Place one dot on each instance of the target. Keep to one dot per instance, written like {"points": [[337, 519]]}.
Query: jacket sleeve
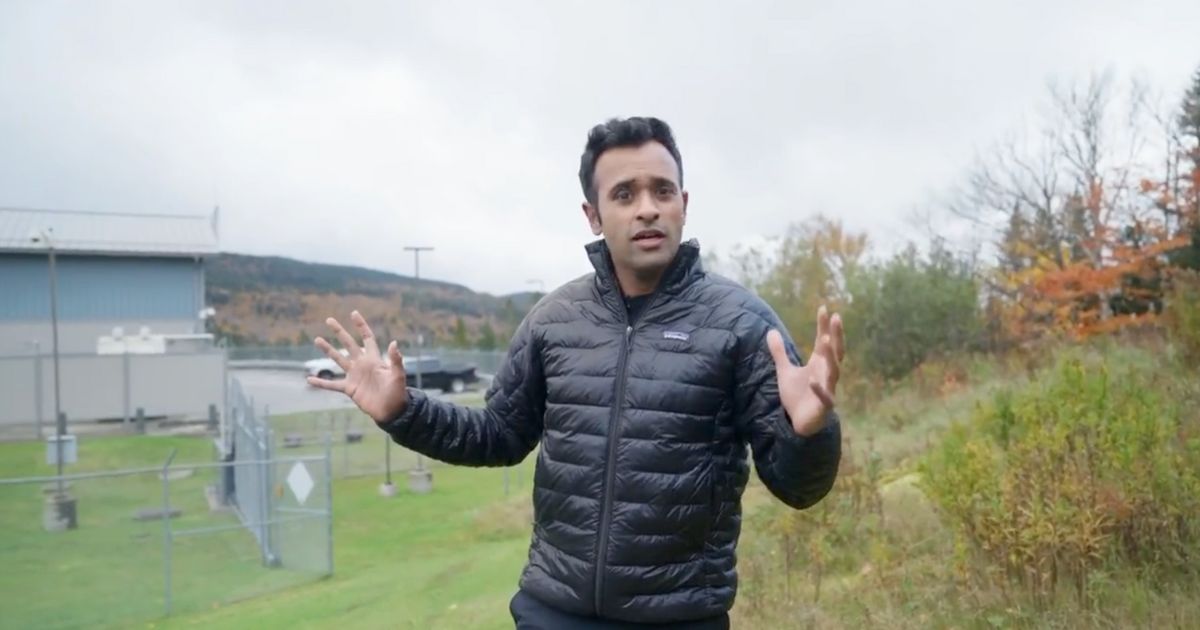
{"points": [[502, 433], [798, 470]]}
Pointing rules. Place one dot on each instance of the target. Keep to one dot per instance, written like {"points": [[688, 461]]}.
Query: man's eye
{"points": [[665, 191], [623, 195]]}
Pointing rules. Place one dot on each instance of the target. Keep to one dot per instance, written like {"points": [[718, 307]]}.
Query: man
{"points": [[643, 381]]}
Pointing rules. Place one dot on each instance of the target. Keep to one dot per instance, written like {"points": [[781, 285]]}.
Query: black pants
{"points": [[531, 614]]}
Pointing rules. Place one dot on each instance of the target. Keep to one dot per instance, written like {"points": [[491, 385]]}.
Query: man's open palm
{"points": [[377, 386], [808, 392]]}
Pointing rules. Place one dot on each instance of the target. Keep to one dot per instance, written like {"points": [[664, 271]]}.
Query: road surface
{"points": [[285, 391]]}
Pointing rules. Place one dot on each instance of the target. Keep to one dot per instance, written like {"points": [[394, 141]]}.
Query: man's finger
{"points": [[834, 367], [333, 386], [332, 353], [343, 336], [823, 394], [394, 354], [838, 333], [778, 351], [364, 330], [822, 327]]}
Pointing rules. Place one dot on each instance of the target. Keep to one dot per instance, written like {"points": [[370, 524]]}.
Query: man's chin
{"points": [[649, 264]]}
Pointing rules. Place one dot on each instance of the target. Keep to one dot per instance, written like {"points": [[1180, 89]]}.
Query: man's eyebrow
{"points": [[659, 181], [624, 183]]}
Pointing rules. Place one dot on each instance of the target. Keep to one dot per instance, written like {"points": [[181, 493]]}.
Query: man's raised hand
{"points": [[808, 392], [376, 386]]}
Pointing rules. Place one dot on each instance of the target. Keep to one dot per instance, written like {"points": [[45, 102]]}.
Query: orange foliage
{"points": [[1060, 296]]}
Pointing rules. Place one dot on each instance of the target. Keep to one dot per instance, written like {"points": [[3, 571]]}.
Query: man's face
{"points": [[640, 208]]}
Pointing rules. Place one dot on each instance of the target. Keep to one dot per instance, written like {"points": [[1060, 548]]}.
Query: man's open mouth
{"points": [[649, 236]]}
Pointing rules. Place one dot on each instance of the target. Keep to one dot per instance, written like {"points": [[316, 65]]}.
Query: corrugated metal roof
{"points": [[77, 231]]}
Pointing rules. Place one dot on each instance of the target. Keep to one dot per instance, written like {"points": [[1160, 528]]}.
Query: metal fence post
{"points": [[37, 387], [126, 387], [329, 502], [166, 518], [345, 443], [141, 420], [268, 485]]}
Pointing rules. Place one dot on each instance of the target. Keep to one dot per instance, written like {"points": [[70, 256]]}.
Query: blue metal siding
{"points": [[99, 287]]}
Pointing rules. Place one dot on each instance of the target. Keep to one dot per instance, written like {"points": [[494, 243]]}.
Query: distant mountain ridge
{"points": [[272, 300]]}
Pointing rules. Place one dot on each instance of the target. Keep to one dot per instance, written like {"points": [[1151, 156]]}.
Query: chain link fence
{"points": [[359, 448], [160, 528]]}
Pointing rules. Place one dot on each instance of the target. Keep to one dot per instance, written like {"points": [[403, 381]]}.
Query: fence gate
{"points": [[285, 502]]}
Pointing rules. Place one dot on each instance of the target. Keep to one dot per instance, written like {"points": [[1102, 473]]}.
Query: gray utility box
{"points": [[68, 449]]}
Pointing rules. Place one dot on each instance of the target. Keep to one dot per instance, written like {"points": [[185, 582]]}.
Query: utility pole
{"points": [[420, 480], [63, 509]]}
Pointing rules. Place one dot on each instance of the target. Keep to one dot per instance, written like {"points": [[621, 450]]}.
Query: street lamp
{"points": [[62, 504], [419, 480]]}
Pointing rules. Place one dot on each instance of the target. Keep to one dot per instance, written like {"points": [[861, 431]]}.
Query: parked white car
{"points": [[325, 367]]}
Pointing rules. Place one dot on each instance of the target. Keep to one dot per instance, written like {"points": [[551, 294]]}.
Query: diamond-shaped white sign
{"points": [[300, 482]]}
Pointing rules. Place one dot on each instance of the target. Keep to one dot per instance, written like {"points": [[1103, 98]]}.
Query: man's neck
{"points": [[634, 284]]}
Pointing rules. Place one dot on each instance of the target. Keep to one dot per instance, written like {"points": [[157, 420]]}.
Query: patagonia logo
{"points": [[679, 336]]}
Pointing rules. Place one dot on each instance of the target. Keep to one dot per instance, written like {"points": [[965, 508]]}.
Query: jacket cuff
{"points": [[789, 436], [416, 403]]}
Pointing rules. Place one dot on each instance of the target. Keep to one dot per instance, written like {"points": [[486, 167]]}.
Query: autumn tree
{"points": [[1080, 251], [809, 266]]}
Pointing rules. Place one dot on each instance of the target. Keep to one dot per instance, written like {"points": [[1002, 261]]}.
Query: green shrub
{"points": [[1091, 468], [1183, 315]]}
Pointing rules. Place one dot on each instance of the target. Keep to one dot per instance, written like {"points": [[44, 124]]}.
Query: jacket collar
{"points": [[685, 267]]}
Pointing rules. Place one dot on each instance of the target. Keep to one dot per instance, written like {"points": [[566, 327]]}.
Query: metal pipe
{"points": [[166, 518], [60, 419]]}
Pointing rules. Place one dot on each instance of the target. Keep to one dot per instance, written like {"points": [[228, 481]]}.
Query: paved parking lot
{"points": [[286, 391]]}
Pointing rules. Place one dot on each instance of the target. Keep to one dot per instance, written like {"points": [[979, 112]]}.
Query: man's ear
{"points": [[593, 216], [685, 202]]}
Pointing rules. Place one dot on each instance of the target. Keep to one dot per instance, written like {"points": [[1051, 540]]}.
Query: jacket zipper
{"points": [[610, 467]]}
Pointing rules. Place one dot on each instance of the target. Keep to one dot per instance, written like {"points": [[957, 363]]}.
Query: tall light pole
{"points": [[420, 335], [420, 479], [64, 505]]}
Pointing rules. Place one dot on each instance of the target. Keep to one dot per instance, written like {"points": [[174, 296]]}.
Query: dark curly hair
{"points": [[623, 132]]}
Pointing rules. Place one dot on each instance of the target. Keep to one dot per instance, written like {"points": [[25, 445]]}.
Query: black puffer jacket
{"points": [[643, 428]]}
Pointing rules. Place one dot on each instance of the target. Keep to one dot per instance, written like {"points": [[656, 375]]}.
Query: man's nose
{"points": [[647, 210]]}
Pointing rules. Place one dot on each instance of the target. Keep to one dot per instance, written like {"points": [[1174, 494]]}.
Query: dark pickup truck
{"points": [[437, 375]]}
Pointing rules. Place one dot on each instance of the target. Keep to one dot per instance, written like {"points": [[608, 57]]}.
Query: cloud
{"points": [[341, 133]]}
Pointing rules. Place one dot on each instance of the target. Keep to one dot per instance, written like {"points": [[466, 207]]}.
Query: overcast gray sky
{"points": [[342, 131]]}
